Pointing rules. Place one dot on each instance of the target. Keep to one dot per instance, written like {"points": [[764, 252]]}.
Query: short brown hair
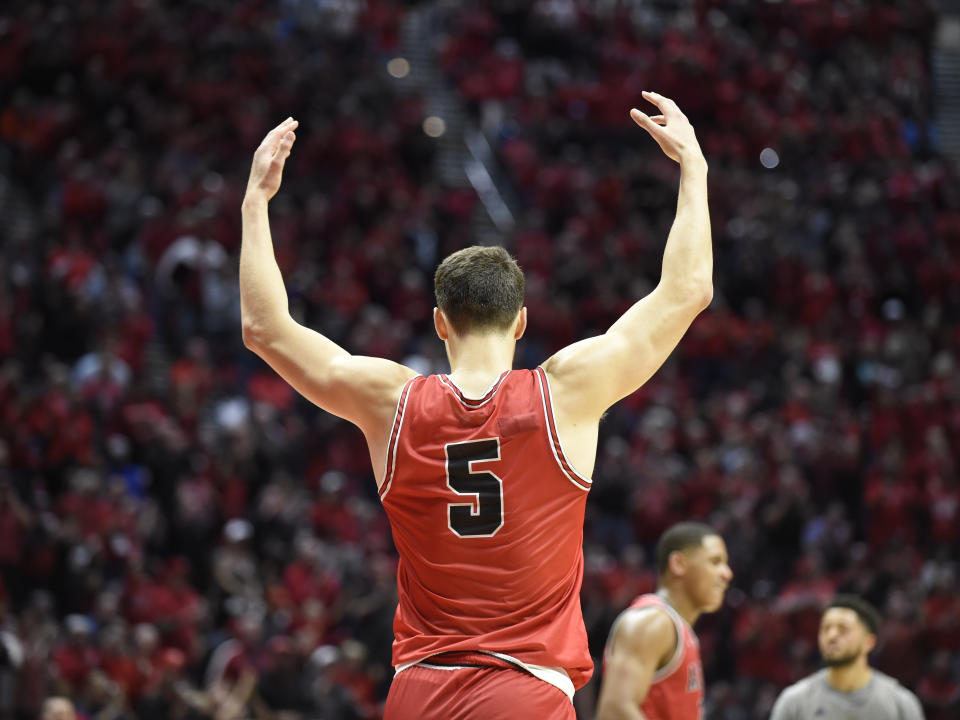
{"points": [[479, 289]]}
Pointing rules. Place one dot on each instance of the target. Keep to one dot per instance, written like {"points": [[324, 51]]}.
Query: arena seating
{"points": [[179, 530]]}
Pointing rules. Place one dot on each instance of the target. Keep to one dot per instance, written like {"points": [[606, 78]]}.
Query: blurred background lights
{"points": [[434, 126], [893, 309], [769, 158], [398, 67]]}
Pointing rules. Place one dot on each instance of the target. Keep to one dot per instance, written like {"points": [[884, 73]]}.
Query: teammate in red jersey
{"points": [[652, 660], [484, 472]]}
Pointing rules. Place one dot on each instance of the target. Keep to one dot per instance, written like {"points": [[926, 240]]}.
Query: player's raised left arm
{"points": [[593, 374], [361, 389]]}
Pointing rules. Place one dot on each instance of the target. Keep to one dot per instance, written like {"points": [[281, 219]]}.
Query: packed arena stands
{"points": [[183, 536]]}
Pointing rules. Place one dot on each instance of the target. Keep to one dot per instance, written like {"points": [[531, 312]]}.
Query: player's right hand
{"points": [[268, 160], [671, 129]]}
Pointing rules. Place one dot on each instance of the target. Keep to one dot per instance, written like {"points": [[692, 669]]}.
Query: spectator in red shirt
{"points": [[75, 658]]}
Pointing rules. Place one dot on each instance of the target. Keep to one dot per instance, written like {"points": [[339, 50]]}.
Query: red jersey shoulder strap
{"points": [[680, 650], [391, 462], [652, 601], [582, 482]]}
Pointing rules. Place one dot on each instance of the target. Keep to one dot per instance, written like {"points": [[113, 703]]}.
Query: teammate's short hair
{"points": [[682, 536], [868, 614], [479, 289]]}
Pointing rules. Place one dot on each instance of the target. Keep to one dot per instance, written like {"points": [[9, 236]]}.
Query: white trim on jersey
{"points": [[391, 466], [397, 669], [671, 667], [486, 397], [678, 623], [576, 478], [551, 675]]}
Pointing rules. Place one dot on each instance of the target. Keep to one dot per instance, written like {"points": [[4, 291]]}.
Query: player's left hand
{"points": [[268, 160], [671, 129]]}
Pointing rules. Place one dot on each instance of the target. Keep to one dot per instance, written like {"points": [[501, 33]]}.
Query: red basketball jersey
{"points": [[677, 689], [487, 517]]}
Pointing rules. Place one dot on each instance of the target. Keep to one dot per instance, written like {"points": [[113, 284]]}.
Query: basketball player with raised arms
{"points": [[652, 664], [484, 472]]}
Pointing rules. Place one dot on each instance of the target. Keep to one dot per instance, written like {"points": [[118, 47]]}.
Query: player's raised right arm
{"points": [[361, 389], [593, 374]]}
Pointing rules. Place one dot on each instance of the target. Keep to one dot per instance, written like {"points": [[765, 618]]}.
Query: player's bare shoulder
{"points": [[647, 631], [582, 385], [375, 380]]}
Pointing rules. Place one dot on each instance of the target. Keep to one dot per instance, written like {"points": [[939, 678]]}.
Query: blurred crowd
{"points": [[181, 536]]}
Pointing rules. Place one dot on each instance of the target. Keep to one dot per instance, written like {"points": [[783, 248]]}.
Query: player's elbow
{"points": [[702, 295], [261, 331], [252, 334], [690, 294], [696, 294], [257, 333], [693, 296]]}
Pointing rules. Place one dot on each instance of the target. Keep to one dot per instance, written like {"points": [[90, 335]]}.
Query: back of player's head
{"points": [[479, 289], [867, 613], [680, 537]]}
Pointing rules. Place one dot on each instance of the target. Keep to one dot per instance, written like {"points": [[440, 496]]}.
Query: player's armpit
{"points": [[643, 641], [593, 374], [363, 390]]}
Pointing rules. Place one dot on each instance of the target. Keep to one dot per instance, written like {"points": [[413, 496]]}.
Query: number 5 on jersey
{"points": [[483, 515]]}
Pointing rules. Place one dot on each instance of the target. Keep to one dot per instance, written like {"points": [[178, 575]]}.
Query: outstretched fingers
{"points": [[670, 128], [651, 124], [266, 171], [664, 104], [273, 138], [282, 128]]}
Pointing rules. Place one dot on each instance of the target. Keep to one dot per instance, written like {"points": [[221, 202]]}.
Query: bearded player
{"points": [[847, 687], [484, 472]]}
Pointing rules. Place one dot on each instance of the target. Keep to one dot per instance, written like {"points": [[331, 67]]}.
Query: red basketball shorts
{"points": [[469, 692]]}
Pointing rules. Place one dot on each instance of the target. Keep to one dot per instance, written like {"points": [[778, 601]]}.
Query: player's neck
{"points": [[679, 602], [476, 361], [849, 678]]}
